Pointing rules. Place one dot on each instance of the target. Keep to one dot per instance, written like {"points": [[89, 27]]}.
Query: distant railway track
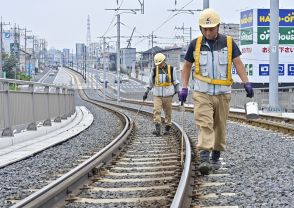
{"points": [[275, 123], [151, 171]]}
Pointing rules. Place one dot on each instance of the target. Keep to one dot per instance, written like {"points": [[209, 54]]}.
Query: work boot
{"points": [[167, 128], [157, 130], [204, 166], [215, 162]]}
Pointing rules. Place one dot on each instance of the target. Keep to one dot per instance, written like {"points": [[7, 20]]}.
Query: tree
{"points": [[10, 63]]}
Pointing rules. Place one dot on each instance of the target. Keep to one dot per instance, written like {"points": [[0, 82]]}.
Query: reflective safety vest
{"points": [[197, 75], [163, 84]]}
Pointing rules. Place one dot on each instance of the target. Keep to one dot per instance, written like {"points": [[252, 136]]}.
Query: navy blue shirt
{"points": [[189, 55]]}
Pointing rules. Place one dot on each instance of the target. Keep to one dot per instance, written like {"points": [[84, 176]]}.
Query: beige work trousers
{"points": [[211, 114], [164, 103]]}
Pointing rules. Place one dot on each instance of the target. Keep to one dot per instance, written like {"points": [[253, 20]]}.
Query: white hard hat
{"points": [[159, 58], [209, 18]]}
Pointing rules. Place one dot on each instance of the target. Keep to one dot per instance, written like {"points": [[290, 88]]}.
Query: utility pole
{"points": [[32, 60], [152, 41], [205, 4], [133, 11], [189, 11], [15, 49], [25, 49], [1, 32], [85, 63], [104, 72], [274, 56], [1, 43], [186, 29], [118, 57]]}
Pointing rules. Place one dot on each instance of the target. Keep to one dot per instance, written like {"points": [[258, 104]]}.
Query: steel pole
{"points": [[1, 45], [118, 57], [274, 55], [205, 4], [104, 72]]}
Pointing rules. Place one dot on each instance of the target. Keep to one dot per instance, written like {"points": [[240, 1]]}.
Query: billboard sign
{"points": [[264, 69], [14, 48], [290, 69], [246, 19], [6, 35], [246, 36], [249, 69], [286, 17], [286, 35]]}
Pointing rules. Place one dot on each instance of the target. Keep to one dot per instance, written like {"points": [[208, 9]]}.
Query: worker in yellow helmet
{"points": [[165, 85], [213, 55]]}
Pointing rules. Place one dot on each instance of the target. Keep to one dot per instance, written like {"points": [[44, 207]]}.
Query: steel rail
{"points": [[182, 198], [282, 124]]}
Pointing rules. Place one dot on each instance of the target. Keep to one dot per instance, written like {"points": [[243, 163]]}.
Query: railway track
{"points": [[212, 189], [150, 171], [275, 123]]}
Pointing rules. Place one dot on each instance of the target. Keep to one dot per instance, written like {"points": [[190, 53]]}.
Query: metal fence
{"points": [[25, 103], [261, 96]]}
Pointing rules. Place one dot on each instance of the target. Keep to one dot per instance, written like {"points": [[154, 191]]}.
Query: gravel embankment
{"points": [[34, 173]]}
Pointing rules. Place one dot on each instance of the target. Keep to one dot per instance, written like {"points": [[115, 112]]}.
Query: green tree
{"points": [[9, 65]]}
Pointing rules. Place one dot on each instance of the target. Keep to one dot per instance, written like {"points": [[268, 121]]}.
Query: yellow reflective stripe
{"points": [[168, 73], [197, 55], [208, 80], [230, 55], [157, 76], [163, 84], [213, 81]]}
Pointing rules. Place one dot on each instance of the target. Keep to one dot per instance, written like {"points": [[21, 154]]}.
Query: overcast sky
{"points": [[64, 22]]}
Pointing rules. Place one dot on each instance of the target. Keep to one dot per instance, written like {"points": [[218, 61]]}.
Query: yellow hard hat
{"points": [[159, 58], [209, 18]]}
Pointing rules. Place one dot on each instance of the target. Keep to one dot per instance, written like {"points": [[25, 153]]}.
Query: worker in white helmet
{"points": [[165, 85], [213, 55]]}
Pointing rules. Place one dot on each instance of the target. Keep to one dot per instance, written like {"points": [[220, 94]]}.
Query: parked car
{"points": [[123, 78], [115, 81]]}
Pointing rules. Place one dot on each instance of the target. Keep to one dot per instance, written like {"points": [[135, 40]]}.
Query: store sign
{"points": [[286, 35], [14, 48], [246, 19], [249, 69], [246, 36], [286, 17], [264, 70], [6, 35], [233, 70], [290, 69]]}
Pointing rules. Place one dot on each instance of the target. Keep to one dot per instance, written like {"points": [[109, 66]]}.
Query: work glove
{"points": [[249, 89], [183, 94], [145, 95]]}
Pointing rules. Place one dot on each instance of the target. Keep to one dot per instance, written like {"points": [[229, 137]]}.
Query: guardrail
{"points": [[261, 96], [24, 103]]}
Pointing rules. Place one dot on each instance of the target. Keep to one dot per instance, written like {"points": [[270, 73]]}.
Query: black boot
{"points": [[157, 130], [204, 166], [167, 128], [215, 162]]}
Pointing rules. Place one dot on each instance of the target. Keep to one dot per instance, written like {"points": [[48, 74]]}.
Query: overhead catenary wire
{"points": [[171, 16], [113, 18]]}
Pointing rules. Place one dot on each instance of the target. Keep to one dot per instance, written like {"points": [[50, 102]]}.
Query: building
{"points": [[230, 29], [128, 59], [65, 57]]}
